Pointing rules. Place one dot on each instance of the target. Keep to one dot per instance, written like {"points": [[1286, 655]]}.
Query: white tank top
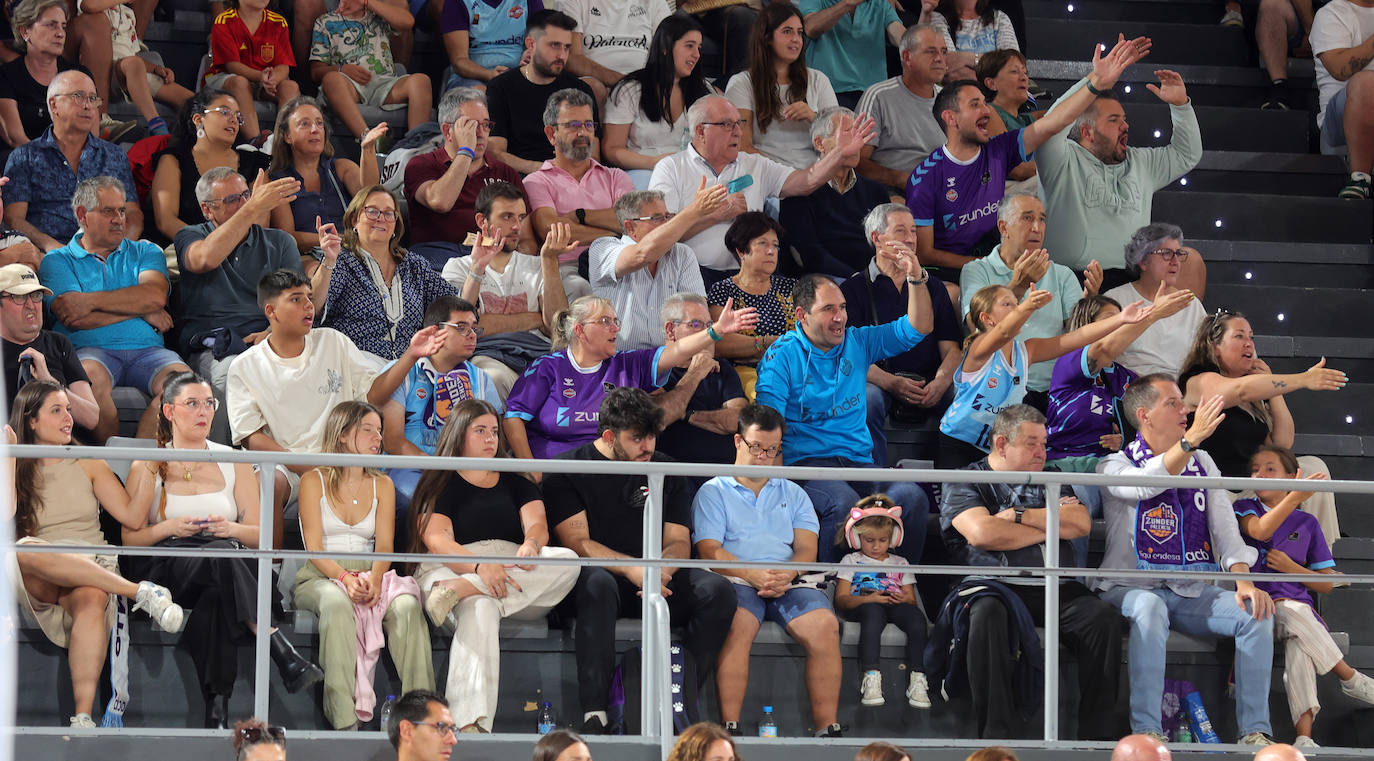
{"points": [[344, 537], [215, 503]]}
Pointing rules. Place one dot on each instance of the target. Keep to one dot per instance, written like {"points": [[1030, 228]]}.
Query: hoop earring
{"points": [[200, 132]]}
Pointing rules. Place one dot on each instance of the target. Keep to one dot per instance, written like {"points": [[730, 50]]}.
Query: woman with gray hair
{"points": [[553, 407], [1154, 257]]}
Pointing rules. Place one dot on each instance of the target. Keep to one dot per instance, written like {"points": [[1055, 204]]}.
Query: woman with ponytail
{"points": [[211, 505], [59, 501]]}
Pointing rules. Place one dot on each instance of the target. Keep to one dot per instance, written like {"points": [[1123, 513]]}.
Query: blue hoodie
{"points": [[822, 394]]}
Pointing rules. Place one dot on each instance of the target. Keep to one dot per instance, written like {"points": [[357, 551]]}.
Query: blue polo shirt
{"points": [[41, 177], [73, 268], [749, 527]]}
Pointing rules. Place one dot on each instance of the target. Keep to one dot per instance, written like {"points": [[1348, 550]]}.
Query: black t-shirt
{"points": [[684, 441], [56, 349], [1236, 438], [493, 513], [614, 503], [517, 111], [957, 498], [17, 83]]}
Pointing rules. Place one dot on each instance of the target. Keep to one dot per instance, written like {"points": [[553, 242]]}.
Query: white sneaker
{"points": [[1304, 741], [1361, 688], [918, 691], [1256, 738], [1232, 18], [158, 602], [872, 689], [82, 721]]}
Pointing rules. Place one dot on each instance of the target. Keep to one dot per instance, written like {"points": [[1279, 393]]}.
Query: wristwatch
{"points": [[1020, 512], [581, 216], [1187, 447]]}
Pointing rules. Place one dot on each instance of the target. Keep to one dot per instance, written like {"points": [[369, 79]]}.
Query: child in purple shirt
{"points": [[1291, 541]]}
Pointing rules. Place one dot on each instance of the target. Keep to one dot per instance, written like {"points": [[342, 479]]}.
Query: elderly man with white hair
{"points": [[825, 227], [109, 294], [715, 127], [44, 173], [1020, 261], [701, 402]]}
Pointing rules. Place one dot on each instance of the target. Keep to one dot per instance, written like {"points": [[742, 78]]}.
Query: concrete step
{"points": [[1173, 43], [1350, 609], [1308, 275], [1154, 11], [1288, 174], [1269, 131], [1334, 411], [1235, 250], [1281, 310], [1255, 216]]}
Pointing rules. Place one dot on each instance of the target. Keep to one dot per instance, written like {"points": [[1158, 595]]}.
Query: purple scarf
{"points": [[1171, 532]]}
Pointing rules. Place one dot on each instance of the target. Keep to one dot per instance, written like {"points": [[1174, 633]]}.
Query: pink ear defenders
{"points": [[857, 514]]}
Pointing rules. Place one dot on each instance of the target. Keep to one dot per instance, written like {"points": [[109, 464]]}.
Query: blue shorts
{"points": [[794, 603], [1333, 121], [133, 367]]}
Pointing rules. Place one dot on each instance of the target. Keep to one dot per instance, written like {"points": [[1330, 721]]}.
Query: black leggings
{"points": [[873, 616]]}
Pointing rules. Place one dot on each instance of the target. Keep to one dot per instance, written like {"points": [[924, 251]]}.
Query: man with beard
{"points": [[517, 97], [572, 187], [1098, 191], [602, 516], [955, 193]]}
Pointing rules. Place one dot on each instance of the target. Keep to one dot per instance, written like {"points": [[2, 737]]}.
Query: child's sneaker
{"points": [[1360, 687], [871, 691], [918, 692]]}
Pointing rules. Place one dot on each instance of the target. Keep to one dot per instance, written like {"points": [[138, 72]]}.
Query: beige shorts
{"points": [[376, 90]]}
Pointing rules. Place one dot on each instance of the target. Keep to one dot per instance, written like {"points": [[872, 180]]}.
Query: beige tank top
{"points": [[68, 509]]}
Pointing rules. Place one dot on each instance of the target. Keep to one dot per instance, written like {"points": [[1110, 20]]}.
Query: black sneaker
{"points": [[1277, 99], [834, 730], [732, 727], [593, 726]]}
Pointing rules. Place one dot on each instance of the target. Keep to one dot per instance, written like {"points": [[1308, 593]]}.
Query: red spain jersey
{"points": [[230, 40]]}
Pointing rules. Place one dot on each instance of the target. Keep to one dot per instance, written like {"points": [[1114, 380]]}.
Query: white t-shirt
{"points": [[679, 176], [616, 33], [882, 568], [1164, 345], [515, 291], [638, 296], [646, 137], [1339, 24], [786, 141], [292, 396]]}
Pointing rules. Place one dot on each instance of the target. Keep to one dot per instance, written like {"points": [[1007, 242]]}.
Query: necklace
{"points": [[189, 470]]}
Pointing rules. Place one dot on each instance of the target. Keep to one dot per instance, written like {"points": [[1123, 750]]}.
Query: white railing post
{"points": [[1051, 613], [267, 513], [655, 711], [9, 710]]}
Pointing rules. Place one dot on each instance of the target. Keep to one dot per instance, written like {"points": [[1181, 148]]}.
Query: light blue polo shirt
{"points": [[853, 53], [749, 527], [73, 268]]}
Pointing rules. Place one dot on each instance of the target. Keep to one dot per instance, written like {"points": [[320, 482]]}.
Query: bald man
{"points": [[1141, 748], [1279, 752]]}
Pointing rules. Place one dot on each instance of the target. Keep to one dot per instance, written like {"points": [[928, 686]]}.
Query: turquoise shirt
{"points": [[853, 52], [73, 268]]}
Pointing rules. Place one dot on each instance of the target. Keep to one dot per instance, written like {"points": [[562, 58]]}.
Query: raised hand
{"points": [[1171, 303], [709, 200], [1035, 298], [1170, 88], [1206, 418], [463, 134], [1109, 68], [1135, 312], [854, 134], [484, 250], [269, 194], [331, 243], [370, 139], [1030, 267], [1320, 378], [734, 320], [1092, 278], [1303, 496], [557, 243], [427, 341]]}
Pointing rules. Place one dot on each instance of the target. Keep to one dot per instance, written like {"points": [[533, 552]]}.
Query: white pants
{"points": [[474, 661], [1308, 650]]}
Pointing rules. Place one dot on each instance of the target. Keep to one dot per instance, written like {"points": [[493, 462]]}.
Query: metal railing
{"points": [[656, 708]]}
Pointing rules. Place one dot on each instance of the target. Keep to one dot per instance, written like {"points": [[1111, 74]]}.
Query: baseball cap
{"points": [[19, 279]]}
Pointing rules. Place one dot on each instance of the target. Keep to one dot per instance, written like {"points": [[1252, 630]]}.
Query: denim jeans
{"points": [[832, 500], [1153, 612]]}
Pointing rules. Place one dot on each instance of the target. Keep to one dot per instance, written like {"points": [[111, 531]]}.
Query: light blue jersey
{"points": [[979, 396]]}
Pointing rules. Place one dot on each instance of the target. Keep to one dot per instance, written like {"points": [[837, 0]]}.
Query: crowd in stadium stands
{"points": [[781, 259]]}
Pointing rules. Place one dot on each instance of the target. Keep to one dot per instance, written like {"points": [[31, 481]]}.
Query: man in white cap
{"points": [[32, 353]]}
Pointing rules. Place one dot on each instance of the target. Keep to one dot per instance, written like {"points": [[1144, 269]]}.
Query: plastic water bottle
{"points": [[547, 722], [768, 727], [385, 713], [1183, 734]]}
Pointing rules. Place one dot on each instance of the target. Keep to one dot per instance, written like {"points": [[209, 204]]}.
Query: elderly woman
{"points": [[203, 137], [301, 148], [482, 512], [1002, 74], [41, 32], [553, 407], [1154, 257], [646, 113], [1223, 361], [753, 239], [376, 294]]}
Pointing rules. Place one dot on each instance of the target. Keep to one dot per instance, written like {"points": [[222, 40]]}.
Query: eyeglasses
{"points": [[84, 98], [605, 322], [465, 328], [232, 200], [693, 324], [376, 215], [23, 299], [758, 449], [195, 405], [575, 126], [730, 126], [656, 218], [226, 113], [1170, 254], [442, 727], [255, 735]]}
